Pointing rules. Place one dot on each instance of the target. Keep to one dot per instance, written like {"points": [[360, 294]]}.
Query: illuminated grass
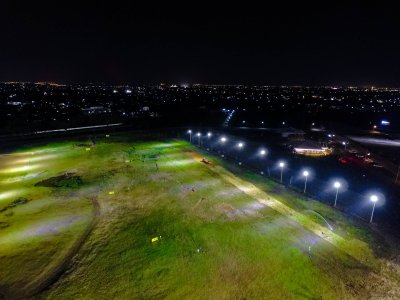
{"points": [[216, 240]]}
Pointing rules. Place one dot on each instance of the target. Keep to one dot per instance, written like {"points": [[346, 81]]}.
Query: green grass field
{"points": [[128, 219]]}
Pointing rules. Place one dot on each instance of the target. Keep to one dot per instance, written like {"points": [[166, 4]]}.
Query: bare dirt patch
{"points": [[160, 176], [67, 180], [229, 211]]}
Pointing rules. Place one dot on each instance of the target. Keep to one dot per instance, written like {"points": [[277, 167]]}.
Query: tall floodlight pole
{"points": [[281, 165], [223, 140], [305, 174], [337, 186], [190, 135], [374, 199], [262, 154], [199, 136], [240, 146], [209, 134]]}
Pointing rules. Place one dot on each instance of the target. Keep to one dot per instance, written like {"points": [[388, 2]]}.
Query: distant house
{"points": [[93, 110], [310, 148], [291, 133]]}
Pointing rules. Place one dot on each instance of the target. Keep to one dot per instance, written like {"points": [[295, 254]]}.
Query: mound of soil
{"points": [[67, 180], [206, 161]]}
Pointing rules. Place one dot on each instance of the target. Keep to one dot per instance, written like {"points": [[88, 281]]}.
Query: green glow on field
{"points": [[27, 160], [20, 169], [42, 228], [10, 194], [178, 162]]}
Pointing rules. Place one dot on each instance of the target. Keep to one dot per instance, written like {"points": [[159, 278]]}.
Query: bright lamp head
{"points": [[374, 198]]}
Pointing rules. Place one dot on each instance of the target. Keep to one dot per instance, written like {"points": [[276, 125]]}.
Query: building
{"points": [[311, 148]]}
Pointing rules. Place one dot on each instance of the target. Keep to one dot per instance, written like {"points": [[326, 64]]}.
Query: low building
{"points": [[291, 133], [311, 148]]}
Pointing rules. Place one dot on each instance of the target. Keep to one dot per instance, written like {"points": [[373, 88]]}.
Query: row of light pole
{"points": [[337, 185]]}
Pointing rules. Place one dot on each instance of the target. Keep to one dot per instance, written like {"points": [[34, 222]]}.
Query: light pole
{"points": [[209, 134], [345, 145], [190, 135], [281, 165], [222, 140], [337, 186], [305, 174], [240, 146], [199, 136], [374, 199]]}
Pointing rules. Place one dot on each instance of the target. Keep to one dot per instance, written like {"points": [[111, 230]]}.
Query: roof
{"points": [[308, 145]]}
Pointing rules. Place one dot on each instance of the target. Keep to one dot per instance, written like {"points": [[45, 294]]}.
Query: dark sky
{"points": [[299, 42]]}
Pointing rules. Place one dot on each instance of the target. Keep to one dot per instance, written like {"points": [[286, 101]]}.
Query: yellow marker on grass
{"points": [[88, 149], [154, 239], [107, 135], [111, 192]]}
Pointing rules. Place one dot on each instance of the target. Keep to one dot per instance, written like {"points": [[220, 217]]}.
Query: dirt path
{"points": [[386, 273], [52, 273], [357, 249]]}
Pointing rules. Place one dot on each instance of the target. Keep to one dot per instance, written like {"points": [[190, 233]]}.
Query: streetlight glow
{"points": [[263, 152], [305, 174], [223, 139], [199, 136], [209, 134], [374, 199], [281, 165], [337, 186], [240, 146], [190, 134]]}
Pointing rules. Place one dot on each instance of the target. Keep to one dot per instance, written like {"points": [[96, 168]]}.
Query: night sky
{"points": [[318, 43]]}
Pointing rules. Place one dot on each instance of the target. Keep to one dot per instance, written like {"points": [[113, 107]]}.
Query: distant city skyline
{"points": [[183, 85]]}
